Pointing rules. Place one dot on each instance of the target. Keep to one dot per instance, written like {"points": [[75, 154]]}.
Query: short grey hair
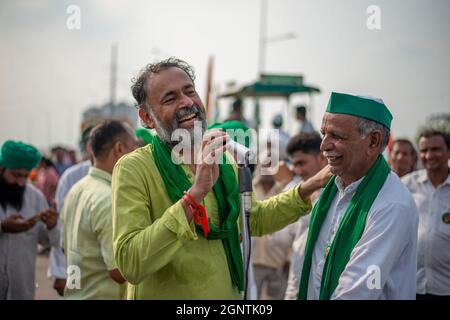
{"points": [[366, 127], [139, 89]]}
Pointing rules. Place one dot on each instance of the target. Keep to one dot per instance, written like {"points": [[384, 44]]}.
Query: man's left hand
{"points": [[59, 285], [49, 217], [319, 180]]}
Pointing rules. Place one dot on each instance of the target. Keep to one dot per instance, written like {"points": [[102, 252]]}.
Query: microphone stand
{"points": [[245, 189]]}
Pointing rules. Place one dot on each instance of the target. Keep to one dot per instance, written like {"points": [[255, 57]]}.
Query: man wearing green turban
{"points": [[363, 229], [25, 221]]}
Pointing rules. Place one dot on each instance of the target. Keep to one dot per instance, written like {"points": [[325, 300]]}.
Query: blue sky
{"points": [[50, 74]]}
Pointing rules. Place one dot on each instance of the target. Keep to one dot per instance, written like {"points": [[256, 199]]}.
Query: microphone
{"points": [[242, 154]]}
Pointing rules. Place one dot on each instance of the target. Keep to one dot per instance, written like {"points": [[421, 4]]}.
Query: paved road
{"points": [[44, 286]]}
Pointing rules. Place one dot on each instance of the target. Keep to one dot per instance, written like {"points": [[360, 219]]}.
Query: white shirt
{"points": [[433, 246], [295, 236], [18, 251], [382, 265], [71, 176]]}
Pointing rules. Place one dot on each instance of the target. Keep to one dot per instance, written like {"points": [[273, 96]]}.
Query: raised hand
{"points": [[319, 180], [49, 217], [207, 168], [15, 223]]}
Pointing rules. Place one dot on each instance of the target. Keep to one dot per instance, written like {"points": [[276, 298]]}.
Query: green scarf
{"points": [[349, 231], [227, 195]]}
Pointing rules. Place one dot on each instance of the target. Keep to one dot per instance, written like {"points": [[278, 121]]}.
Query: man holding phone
{"points": [[25, 221]]}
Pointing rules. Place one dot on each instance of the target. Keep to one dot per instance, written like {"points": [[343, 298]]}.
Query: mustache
{"points": [[185, 112]]}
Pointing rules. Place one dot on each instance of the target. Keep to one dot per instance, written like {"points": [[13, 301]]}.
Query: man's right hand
{"points": [[207, 168], [16, 224]]}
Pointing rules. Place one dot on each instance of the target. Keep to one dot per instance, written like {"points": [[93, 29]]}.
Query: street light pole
{"points": [[262, 37], [113, 75]]}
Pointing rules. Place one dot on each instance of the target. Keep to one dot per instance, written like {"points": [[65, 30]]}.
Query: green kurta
{"points": [[156, 249]]}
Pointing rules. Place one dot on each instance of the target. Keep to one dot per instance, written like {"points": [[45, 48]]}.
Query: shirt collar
{"points": [[447, 181], [350, 188], [100, 174], [423, 177]]}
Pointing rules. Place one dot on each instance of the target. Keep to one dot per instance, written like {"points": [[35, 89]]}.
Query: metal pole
{"points": [[113, 75], [245, 189], [262, 37]]}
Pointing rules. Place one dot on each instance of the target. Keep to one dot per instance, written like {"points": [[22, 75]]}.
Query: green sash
{"points": [[349, 232], [227, 195]]}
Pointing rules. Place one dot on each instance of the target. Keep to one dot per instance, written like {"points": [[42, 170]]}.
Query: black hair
{"points": [[302, 110], [427, 133], [304, 142], [104, 135], [48, 162], [237, 104]]}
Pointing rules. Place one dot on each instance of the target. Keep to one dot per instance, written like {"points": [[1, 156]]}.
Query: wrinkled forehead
{"points": [[168, 79], [402, 146], [432, 141], [339, 121]]}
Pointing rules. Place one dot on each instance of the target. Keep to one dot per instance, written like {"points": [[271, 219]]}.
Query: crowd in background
{"points": [[69, 192]]}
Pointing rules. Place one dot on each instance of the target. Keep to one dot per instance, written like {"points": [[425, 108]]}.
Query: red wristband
{"points": [[197, 208]]}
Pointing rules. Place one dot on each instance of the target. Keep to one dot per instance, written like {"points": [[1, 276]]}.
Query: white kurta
{"points": [[18, 251], [294, 236], [383, 263], [433, 246], [71, 176]]}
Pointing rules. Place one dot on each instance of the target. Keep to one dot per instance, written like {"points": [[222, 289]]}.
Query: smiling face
{"points": [[173, 103], [403, 158], [434, 153], [348, 154]]}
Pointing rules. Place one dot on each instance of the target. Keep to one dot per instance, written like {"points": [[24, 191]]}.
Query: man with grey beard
{"points": [[175, 208]]}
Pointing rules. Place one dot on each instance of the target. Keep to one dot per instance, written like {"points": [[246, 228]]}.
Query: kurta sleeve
{"points": [[277, 212], [385, 238], [101, 224], [45, 236], [142, 244], [57, 260]]}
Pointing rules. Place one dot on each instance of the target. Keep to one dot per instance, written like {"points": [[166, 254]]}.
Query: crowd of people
{"points": [[156, 214]]}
